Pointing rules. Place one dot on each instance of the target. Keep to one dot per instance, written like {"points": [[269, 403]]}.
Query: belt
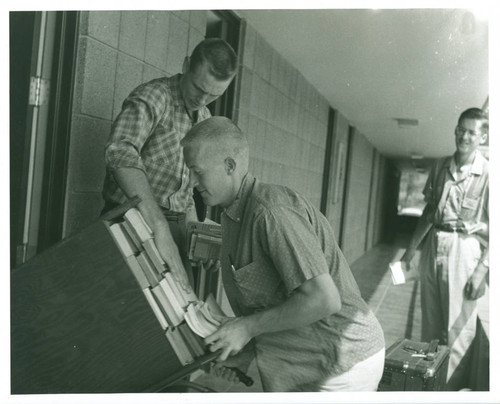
{"points": [[448, 228]]}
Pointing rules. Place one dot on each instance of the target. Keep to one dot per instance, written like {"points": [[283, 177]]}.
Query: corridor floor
{"points": [[396, 307]]}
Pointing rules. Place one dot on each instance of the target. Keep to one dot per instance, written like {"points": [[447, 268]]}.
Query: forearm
{"points": [[314, 300], [134, 182]]}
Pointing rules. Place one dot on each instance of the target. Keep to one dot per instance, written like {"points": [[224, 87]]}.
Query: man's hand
{"points": [[230, 338], [408, 256], [476, 285], [170, 254]]}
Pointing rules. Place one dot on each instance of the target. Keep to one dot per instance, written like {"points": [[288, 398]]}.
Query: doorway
{"points": [[42, 48]]}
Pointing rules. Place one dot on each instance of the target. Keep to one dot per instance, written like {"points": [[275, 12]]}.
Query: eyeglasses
{"points": [[460, 131]]}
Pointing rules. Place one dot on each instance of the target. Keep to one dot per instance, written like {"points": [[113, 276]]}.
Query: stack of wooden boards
{"points": [[184, 318]]}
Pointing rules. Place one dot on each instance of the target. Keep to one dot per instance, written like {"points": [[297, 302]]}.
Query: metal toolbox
{"points": [[415, 366]]}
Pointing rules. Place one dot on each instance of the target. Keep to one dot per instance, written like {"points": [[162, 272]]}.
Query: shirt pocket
{"points": [[259, 284], [469, 208]]}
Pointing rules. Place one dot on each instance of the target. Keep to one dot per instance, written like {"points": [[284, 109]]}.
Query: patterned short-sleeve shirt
{"points": [[146, 135], [276, 240]]}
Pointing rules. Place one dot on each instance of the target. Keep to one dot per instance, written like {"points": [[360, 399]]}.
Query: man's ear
{"points": [[230, 165], [484, 137], [185, 65]]}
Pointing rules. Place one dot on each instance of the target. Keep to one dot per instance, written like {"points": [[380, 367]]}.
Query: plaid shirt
{"points": [[146, 136]]}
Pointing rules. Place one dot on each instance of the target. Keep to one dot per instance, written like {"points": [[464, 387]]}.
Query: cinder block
{"points": [[82, 210], [133, 27], [182, 14], [195, 37], [261, 136], [150, 73], [292, 91], [282, 75], [259, 97], [276, 62], [95, 79], [252, 126], [198, 20], [86, 167], [245, 78], [242, 120], [263, 58], [156, 38], [129, 74], [177, 44], [300, 90], [280, 110], [294, 117], [248, 51], [271, 142], [272, 107], [102, 25], [288, 113]]}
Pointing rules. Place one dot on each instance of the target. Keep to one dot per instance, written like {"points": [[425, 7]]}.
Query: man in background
{"points": [[299, 310], [453, 230], [143, 156]]}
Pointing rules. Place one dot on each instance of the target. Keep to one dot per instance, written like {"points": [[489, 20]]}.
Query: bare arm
{"points": [[315, 299], [133, 182]]}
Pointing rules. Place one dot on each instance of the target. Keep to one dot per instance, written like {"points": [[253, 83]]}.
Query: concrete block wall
{"points": [[357, 198], [117, 50], [284, 117]]}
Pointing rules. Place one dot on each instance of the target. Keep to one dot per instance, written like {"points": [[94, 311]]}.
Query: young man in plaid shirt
{"points": [[143, 154]]}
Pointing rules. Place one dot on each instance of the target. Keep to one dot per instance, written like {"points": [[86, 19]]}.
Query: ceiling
{"points": [[378, 66]]}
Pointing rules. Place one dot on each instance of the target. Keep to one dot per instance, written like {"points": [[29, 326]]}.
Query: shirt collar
{"points": [[237, 208], [477, 164]]}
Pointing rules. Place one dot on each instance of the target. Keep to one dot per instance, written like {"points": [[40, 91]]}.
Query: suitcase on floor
{"points": [[415, 366]]}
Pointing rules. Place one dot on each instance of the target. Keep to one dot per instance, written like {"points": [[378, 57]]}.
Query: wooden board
{"points": [[80, 322]]}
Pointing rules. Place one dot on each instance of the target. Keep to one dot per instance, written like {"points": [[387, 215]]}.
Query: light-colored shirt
{"points": [[459, 198], [146, 135], [276, 240]]}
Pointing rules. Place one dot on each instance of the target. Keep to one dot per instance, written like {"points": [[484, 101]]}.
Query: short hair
{"points": [[220, 56], [221, 134], [477, 114]]}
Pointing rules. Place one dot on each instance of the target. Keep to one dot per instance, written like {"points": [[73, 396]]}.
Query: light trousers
{"points": [[364, 376]]}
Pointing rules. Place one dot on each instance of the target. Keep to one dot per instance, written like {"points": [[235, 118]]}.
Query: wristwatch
{"points": [[486, 263]]}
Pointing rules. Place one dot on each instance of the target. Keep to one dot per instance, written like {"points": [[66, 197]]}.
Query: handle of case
{"points": [[432, 350], [433, 345]]}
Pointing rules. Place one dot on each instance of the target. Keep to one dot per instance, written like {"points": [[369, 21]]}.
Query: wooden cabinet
{"points": [[81, 324]]}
